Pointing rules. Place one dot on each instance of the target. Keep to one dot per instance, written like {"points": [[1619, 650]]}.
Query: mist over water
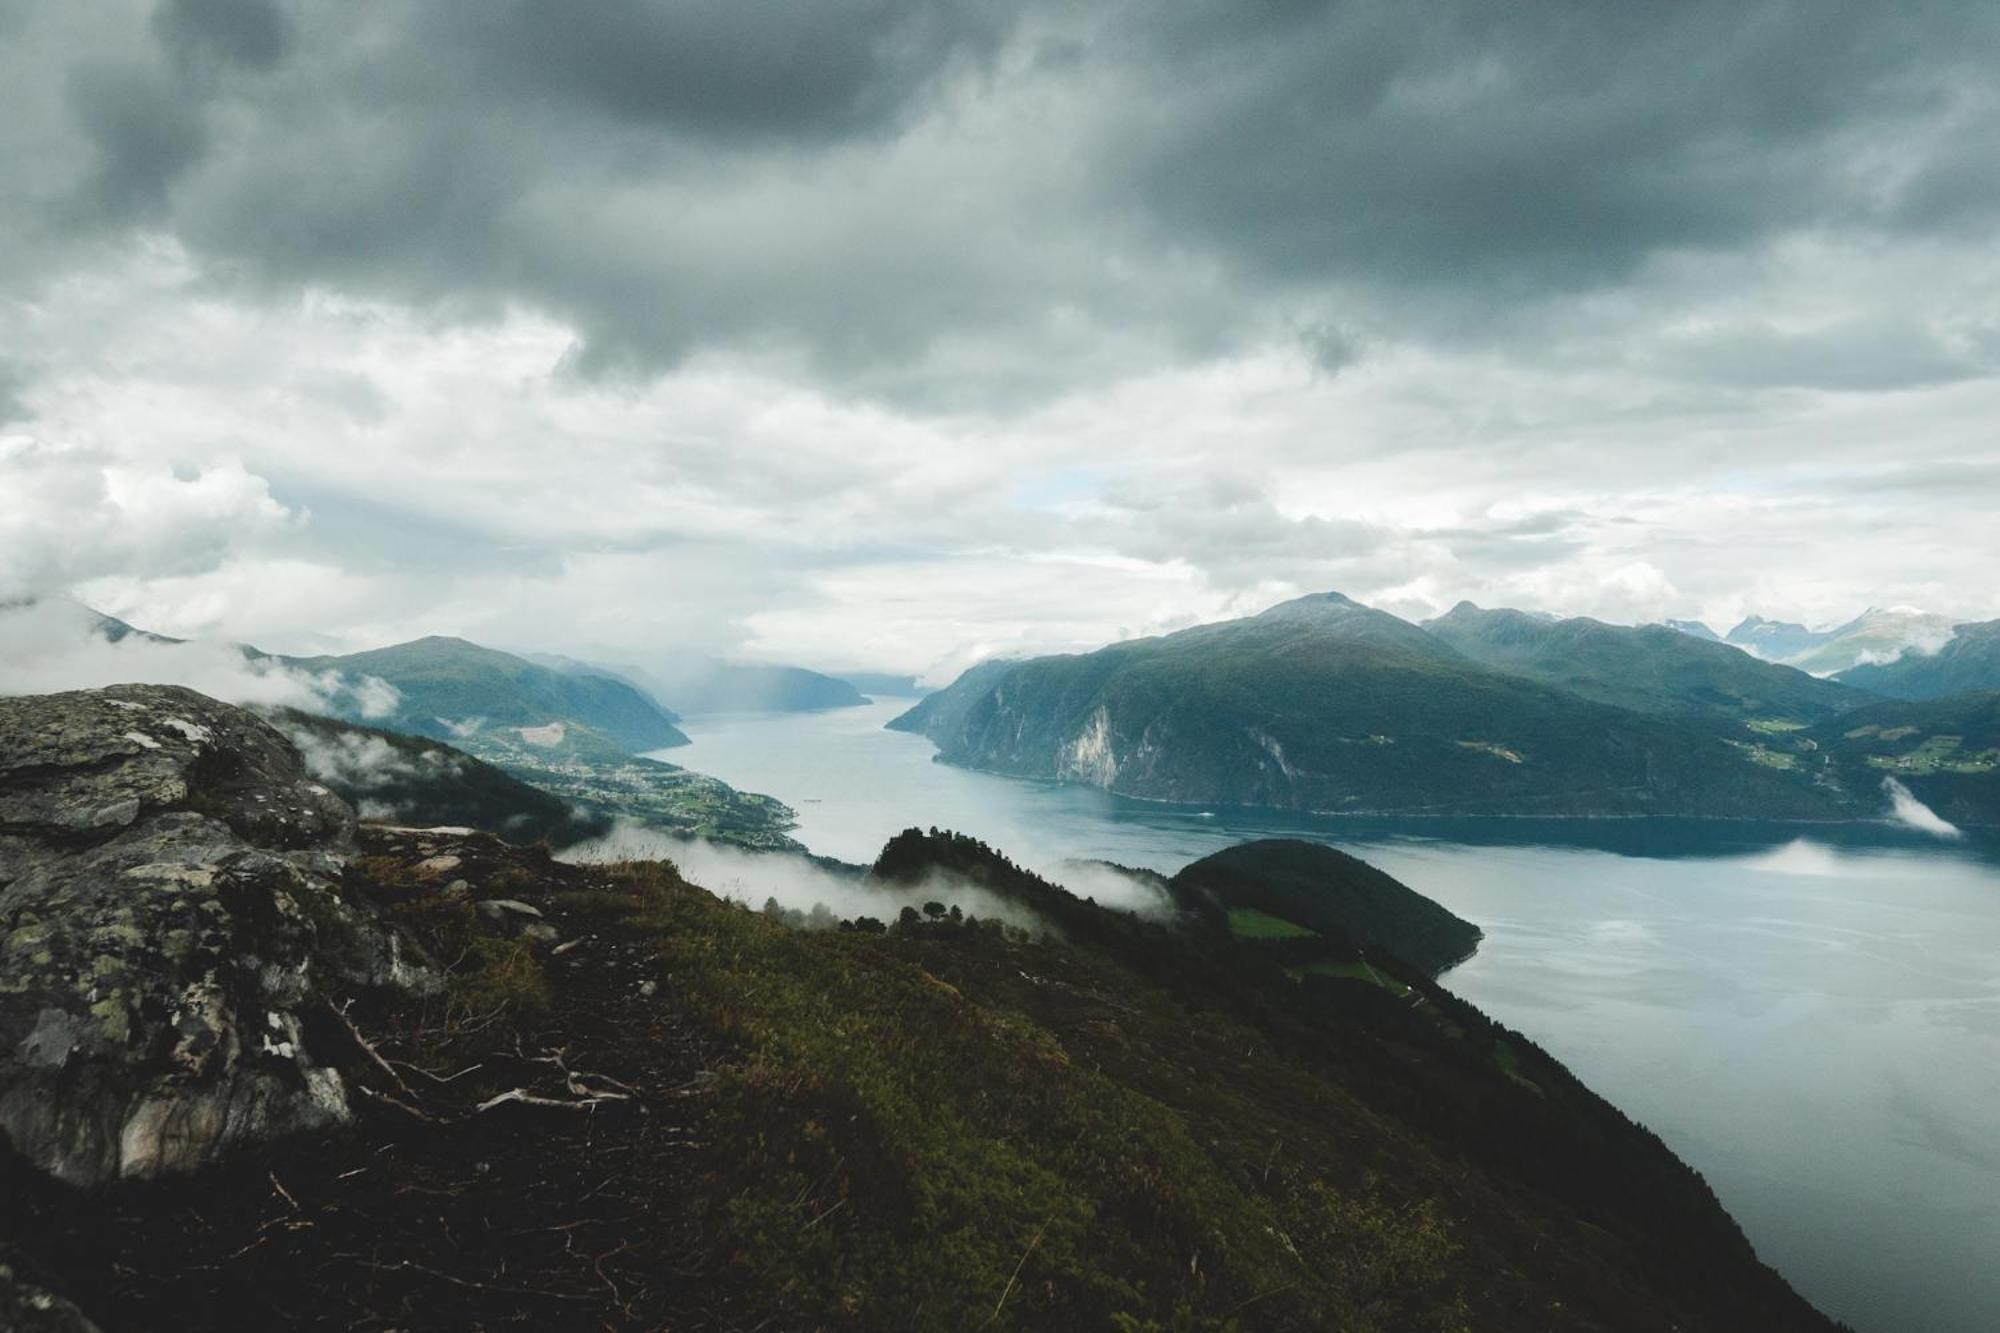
{"points": [[1811, 1020]]}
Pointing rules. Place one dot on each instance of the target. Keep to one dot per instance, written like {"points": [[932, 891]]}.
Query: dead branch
{"points": [[399, 1104], [442, 1080], [525, 1098], [578, 1080], [367, 1047]]}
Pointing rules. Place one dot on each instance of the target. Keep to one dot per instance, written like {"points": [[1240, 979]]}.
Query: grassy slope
{"points": [[943, 1127], [1129, 1131]]}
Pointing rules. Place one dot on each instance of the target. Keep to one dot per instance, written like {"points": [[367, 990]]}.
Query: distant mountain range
{"points": [[1695, 628], [713, 685], [1969, 661], [1327, 705], [879, 682], [1876, 635], [699, 685]]}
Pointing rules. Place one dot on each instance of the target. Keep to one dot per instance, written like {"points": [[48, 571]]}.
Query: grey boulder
{"points": [[171, 919]]}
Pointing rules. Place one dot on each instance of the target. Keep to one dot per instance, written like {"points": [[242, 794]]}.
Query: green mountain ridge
{"points": [[388, 775], [1648, 669], [450, 688], [1326, 705]]}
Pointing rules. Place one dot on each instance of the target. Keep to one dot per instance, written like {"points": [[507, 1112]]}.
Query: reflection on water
{"points": [[1809, 1017]]}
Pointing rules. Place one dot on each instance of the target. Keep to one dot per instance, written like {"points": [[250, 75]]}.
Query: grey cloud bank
{"points": [[883, 333]]}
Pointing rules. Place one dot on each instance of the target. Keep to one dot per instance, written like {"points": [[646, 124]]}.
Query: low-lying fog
{"points": [[800, 884]]}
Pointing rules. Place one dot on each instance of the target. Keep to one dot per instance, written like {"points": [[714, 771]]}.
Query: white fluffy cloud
{"points": [[52, 645], [70, 512]]}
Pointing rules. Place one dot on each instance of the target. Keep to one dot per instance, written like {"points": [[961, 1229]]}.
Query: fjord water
{"points": [[1812, 1020]]}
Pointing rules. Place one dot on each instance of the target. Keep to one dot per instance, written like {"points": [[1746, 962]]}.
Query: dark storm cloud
{"points": [[724, 68], [898, 194], [250, 33], [1539, 144], [145, 132]]}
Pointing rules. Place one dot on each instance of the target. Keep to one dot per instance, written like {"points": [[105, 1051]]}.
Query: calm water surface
{"points": [[1812, 1021]]}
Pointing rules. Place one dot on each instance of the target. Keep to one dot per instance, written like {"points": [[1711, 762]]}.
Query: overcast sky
{"points": [[894, 333]]}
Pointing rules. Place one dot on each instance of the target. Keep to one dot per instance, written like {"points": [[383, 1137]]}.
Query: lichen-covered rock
{"points": [[171, 922]]}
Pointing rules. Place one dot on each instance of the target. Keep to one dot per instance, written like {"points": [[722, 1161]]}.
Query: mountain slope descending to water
{"points": [[390, 776], [1967, 663], [571, 733], [1327, 705], [1945, 751], [451, 689], [623, 1103], [1648, 668]]}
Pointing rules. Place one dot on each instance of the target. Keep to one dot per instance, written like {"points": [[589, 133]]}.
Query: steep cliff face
{"points": [[171, 925]]}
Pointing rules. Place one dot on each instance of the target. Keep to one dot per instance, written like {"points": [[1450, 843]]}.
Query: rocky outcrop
{"points": [[172, 928]]}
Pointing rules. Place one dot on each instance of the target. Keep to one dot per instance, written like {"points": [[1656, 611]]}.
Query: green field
{"points": [[1356, 971], [1767, 757], [1937, 754], [1247, 923]]}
